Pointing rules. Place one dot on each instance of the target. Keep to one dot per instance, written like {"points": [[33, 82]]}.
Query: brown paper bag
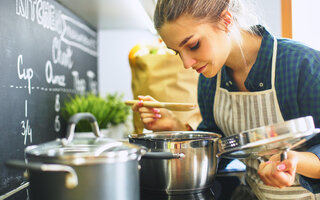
{"points": [[164, 78]]}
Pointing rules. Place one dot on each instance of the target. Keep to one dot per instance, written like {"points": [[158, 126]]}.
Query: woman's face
{"points": [[201, 46]]}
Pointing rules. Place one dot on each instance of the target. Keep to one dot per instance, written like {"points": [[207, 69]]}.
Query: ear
{"points": [[227, 20]]}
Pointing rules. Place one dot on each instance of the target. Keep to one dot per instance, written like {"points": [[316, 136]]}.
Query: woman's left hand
{"points": [[279, 174]]}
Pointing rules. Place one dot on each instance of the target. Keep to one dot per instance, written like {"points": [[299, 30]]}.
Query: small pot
{"points": [[82, 168], [193, 165]]}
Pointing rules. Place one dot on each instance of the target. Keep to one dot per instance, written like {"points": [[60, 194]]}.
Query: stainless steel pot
{"points": [[193, 172], [83, 168], [192, 164]]}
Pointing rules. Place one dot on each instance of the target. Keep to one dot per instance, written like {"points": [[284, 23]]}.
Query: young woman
{"points": [[248, 78]]}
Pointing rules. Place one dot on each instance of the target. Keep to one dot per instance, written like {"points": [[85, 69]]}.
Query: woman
{"points": [[248, 78]]}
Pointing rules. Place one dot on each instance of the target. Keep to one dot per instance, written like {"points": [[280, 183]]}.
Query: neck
{"points": [[242, 57]]}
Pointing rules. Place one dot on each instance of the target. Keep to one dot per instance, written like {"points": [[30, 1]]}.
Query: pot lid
{"points": [[86, 148], [175, 136], [79, 150], [268, 140]]}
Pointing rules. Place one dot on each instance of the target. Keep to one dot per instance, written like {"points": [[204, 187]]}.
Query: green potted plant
{"points": [[110, 111]]}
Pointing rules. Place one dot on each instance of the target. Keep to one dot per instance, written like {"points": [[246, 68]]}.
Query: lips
{"points": [[201, 69]]}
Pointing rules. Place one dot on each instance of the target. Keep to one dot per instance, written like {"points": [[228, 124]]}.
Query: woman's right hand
{"points": [[157, 119]]}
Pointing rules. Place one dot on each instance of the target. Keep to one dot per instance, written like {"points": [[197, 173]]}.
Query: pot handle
{"points": [[72, 125], [105, 147], [162, 155], [71, 177]]}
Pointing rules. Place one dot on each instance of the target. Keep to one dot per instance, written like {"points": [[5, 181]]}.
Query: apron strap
{"points": [[273, 68], [274, 59]]}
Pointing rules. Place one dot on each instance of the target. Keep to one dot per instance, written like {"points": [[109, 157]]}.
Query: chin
{"points": [[209, 74]]}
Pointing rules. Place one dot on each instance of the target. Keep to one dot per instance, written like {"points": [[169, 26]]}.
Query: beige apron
{"points": [[238, 111]]}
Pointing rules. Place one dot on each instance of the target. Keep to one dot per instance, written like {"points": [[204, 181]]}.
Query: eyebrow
{"points": [[185, 40]]}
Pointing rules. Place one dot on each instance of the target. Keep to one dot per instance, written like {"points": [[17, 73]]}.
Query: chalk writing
{"points": [[93, 85], [78, 84], [49, 17], [54, 79], [59, 56], [43, 12], [26, 128], [25, 74], [85, 39], [57, 123], [57, 103]]}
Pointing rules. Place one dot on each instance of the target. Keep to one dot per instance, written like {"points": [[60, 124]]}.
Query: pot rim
{"points": [[176, 136], [56, 152], [85, 150]]}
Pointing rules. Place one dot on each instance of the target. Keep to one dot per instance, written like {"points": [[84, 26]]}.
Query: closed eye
{"points": [[175, 51], [196, 46]]}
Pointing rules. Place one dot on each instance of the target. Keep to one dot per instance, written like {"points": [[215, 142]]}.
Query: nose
{"points": [[187, 60]]}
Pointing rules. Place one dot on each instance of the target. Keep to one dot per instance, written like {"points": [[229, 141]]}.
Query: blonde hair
{"points": [[207, 10]]}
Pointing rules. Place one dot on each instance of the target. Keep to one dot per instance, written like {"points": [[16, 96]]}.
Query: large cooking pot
{"points": [[193, 172], [77, 168]]}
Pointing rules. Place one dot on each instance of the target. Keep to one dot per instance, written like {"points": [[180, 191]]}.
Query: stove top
{"points": [[223, 187], [203, 195]]}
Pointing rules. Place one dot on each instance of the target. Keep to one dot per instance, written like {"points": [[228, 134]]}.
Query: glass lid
{"points": [[93, 147], [83, 147], [175, 135], [268, 140]]}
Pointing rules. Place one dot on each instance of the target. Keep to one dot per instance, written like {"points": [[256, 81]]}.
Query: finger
{"points": [[276, 176], [263, 169], [263, 165], [146, 98], [155, 126], [136, 106], [156, 110], [279, 178], [152, 126], [262, 172], [286, 173], [287, 166], [283, 179], [275, 157], [148, 120], [145, 110], [267, 174], [150, 115]]}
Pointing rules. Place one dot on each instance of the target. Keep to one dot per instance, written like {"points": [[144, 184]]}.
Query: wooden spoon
{"points": [[167, 105]]}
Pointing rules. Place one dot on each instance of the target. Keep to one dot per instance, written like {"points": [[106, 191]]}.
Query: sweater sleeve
{"points": [[313, 185], [206, 92]]}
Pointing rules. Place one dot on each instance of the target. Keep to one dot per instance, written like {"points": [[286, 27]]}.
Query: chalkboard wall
{"points": [[46, 54]]}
